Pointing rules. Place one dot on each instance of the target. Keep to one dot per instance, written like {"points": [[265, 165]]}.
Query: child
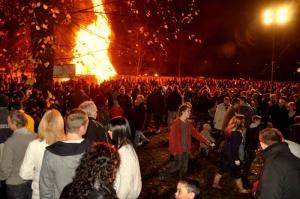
{"points": [[188, 189], [206, 132]]}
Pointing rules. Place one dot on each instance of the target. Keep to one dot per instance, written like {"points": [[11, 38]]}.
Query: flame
{"points": [[91, 49]]}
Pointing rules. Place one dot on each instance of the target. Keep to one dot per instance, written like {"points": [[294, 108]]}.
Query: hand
{"points": [[212, 144], [237, 162]]}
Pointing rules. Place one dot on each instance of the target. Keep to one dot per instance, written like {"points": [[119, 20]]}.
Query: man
{"points": [[220, 114], [95, 130], [180, 141], [173, 102], [62, 158], [245, 109], [280, 178]]}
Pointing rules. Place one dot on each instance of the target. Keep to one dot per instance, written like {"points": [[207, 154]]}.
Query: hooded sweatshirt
{"points": [[59, 164]]}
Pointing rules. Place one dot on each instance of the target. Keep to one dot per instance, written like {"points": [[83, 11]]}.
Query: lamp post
{"points": [[275, 16]]}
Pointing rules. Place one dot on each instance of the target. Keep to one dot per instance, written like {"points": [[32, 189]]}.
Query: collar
{"points": [[272, 150]]}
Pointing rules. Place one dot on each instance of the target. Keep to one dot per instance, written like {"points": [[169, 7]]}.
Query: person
{"points": [[5, 133], [62, 158], [220, 114], [128, 182], [180, 141], [206, 132], [230, 160], [188, 189], [280, 177], [252, 142], [294, 131], [50, 130], [13, 154], [138, 119], [95, 174], [95, 130]]}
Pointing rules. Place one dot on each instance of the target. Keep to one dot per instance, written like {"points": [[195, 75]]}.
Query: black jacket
{"points": [[96, 132], [280, 178]]}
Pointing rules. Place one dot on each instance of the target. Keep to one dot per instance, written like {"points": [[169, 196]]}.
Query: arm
{"points": [[46, 184], [6, 161], [27, 167]]}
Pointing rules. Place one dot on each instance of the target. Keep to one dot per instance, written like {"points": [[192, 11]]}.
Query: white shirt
{"points": [[294, 148]]}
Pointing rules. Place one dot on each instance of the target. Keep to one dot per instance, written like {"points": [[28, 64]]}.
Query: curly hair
{"points": [[96, 171]]}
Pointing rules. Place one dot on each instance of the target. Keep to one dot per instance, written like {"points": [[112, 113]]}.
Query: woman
{"points": [[50, 130], [13, 154], [128, 183], [231, 158], [95, 175]]}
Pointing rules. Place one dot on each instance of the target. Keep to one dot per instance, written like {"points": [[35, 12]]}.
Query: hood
{"points": [[69, 149]]}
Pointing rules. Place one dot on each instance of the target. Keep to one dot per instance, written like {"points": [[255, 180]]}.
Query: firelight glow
{"points": [[91, 49]]}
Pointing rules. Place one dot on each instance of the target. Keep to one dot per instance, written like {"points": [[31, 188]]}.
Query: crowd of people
{"points": [[87, 135]]}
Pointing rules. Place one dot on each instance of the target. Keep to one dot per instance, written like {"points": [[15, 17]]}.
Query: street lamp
{"points": [[275, 16]]}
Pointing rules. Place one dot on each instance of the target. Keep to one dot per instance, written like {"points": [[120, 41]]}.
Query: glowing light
{"points": [[268, 17], [156, 75], [282, 15], [278, 15], [91, 49]]}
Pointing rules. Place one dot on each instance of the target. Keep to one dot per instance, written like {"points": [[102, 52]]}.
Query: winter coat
{"points": [[175, 137], [280, 178], [13, 154], [232, 145], [96, 132], [128, 182], [219, 116], [58, 168]]}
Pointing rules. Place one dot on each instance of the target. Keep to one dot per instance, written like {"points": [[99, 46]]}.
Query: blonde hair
{"points": [[236, 123], [75, 120], [51, 127]]}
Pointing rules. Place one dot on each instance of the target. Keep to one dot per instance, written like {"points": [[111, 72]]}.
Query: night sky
{"points": [[234, 41]]}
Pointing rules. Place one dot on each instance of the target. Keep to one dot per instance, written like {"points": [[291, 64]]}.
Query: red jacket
{"points": [[175, 137]]}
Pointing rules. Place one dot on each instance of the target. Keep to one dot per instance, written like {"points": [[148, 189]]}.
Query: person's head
{"points": [[188, 189], [235, 102], [243, 99], [269, 136], [291, 106], [184, 110], [122, 90], [51, 127], [226, 100], [16, 119], [139, 99], [90, 108], [282, 101], [236, 123], [76, 122], [119, 131], [256, 119], [96, 171]]}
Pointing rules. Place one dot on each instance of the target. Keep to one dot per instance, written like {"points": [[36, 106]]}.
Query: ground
{"points": [[155, 157]]}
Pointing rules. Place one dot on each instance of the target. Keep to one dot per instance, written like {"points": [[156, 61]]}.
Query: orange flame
{"points": [[91, 49]]}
